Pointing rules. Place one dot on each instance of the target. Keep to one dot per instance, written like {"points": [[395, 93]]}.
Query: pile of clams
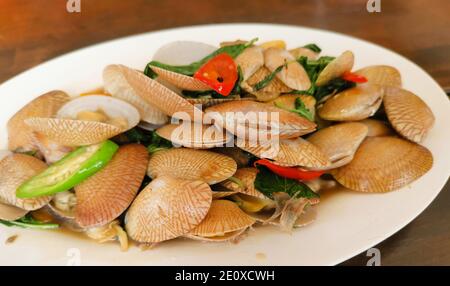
{"points": [[156, 156]]}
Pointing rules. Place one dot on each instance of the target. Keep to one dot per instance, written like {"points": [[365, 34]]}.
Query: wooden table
{"points": [[33, 31]]}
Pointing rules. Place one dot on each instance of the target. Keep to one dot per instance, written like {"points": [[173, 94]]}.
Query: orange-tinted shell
{"points": [[167, 208], [382, 75], [383, 164], [409, 114], [104, 196]]}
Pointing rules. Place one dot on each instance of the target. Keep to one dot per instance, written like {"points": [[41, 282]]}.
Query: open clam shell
{"points": [[304, 52], [289, 152], [191, 164], [116, 83], [10, 213], [293, 74], [250, 60], [377, 127], [195, 135], [224, 217], [51, 150], [336, 68], [353, 104], [20, 135], [339, 142], [381, 75], [383, 164], [104, 196], [409, 114], [247, 177], [155, 94], [247, 119], [272, 90], [167, 208], [16, 169]]}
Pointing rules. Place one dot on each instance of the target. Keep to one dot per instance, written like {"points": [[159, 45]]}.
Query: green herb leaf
{"points": [[300, 109], [333, 86], [138, 135], [268, 183], [29, 222], [313, 47], [158, 143], [265, 81], [190, 69]]}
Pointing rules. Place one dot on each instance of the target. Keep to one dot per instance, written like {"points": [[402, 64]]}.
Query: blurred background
{"points": [[33, 31]]}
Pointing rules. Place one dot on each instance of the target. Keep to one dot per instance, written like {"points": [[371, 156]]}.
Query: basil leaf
{"points": [[268, 183], [265, 81], [300, 109], [29, 222], [190, 69], [313, 47]]}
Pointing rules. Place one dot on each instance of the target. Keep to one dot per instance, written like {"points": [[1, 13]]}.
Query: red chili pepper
{"points": [[290, 172], [220, 73], [353, 77]]}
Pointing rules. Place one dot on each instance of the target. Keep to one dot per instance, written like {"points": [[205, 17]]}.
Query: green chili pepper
{"points": [[69, 171]]}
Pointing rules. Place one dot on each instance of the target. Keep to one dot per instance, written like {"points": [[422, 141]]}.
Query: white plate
{"points": [[348, 223]]}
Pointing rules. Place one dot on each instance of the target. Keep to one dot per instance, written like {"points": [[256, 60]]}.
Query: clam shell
{"points": [[249, 115], [308, 217], [247, 176], [104, 196], [288, 101], [230, 236], [182, 52], [293, 75], [191, 164], [383, 164], [116, 83], [356, 103], [10, 213], [19, 134], [158, 95], [336, 68], [112, 107], [51, 150], [270, 91], [241, 157], [223, 217], [304, 52], [207, 102], [382, 75], [250, 60], [339, 142], [181, 81], [167, 208], [290, 152], [16, 169], [377, 127], [71, 132], [195, 135], [222, 194], [409, 114]]}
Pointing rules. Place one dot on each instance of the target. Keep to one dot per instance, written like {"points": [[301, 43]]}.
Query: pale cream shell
{"points": [[15, 169], [191, 164], [20, 135], [223, 217], [105, 195], [353, 104], [167, 208], [381, 74], [409, 114], [383, 164], [272, 90], [10, 213], [336, 68], [181, 81], [250, 60]]}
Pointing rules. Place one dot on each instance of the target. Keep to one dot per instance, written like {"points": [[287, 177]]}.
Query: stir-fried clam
{"points": [[15, 169], [191, 164], [383, 164], [336, 68], [167, 208], [339, 142], [382, 75], [377, 127], [20, 134], [87, 120], [224, 221], [356, 103], [409, 115], [104, 196]]}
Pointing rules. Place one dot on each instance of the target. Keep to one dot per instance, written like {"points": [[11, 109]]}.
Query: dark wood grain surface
{"points": [[33, 31]]}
